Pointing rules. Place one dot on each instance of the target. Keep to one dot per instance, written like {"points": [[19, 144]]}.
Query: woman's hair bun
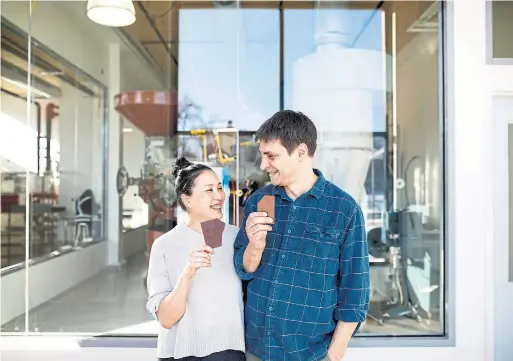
{"points": [[180, 163]]}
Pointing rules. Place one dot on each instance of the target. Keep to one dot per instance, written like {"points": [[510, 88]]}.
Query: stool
{"points": [[81, 230]]}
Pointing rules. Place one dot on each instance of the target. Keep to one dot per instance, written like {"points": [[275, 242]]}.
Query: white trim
{"points": [[468, 238], [500, 79], [502, 111]]}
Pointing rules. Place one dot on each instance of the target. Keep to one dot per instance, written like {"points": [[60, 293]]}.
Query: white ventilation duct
{"points": [[338, 87], [225, 3]]}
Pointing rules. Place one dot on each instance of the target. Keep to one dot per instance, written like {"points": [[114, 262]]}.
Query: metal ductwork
{"points": [[226, 3]]}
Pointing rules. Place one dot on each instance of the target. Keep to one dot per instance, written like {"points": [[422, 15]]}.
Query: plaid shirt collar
{"points": [[316, 191]]}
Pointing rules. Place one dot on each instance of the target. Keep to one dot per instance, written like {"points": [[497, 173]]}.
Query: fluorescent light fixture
{"points": [[127, 130], [25, 87], [51, 73], [113, 13]]}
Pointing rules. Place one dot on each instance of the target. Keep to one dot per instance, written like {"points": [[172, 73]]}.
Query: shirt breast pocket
{"points": [[320, 249]]}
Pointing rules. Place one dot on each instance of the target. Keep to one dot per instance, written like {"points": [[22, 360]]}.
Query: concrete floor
{"points": [[113, 302]]}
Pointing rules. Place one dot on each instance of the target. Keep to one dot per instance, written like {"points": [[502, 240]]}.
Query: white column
{"points": [[468, 238], [114, 230]]}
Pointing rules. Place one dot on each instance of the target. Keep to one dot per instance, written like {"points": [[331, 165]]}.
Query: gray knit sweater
{"points": [[214, 317]]}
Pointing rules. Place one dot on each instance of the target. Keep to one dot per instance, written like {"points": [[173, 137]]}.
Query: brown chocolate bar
{"points": [[213, 232], [266, 204]]}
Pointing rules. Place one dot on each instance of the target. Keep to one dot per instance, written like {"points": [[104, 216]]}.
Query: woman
{"points": [[193, 290]]}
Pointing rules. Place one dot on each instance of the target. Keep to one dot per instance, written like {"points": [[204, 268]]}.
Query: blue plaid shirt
{"points": [[314, 272]]}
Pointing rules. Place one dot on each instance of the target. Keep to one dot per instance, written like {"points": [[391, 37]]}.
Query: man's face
{"points": [[283, 168]]}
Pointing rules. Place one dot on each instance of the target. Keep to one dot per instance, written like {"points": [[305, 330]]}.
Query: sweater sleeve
{"points": [[158, 281]]}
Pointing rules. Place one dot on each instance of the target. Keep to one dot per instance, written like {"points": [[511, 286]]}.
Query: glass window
{"points": [[501, 29], [52, 187], [368, 76], [96, 121], [228, 83]]}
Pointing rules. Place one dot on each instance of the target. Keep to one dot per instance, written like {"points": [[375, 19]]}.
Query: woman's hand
{"points": [[198, 258]]}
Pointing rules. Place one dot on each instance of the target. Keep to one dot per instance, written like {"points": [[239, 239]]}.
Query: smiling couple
{"points": [[306, 270]]}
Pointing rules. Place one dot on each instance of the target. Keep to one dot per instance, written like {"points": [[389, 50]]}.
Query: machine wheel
{"points": [[122, 180]]}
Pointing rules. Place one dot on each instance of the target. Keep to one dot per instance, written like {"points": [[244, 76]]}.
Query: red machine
{"points": [[155, 113]]}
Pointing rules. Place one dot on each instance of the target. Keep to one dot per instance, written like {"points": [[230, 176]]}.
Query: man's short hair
{"points": [[291, 129]]}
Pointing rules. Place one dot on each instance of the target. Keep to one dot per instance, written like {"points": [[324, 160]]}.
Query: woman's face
{"points": [[207, 199]]}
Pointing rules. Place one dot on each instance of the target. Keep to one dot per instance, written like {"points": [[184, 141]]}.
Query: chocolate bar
{"points": [[266, 204], [213, 232]]}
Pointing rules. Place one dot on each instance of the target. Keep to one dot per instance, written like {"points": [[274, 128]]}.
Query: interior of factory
{"points": [[93, 117]]}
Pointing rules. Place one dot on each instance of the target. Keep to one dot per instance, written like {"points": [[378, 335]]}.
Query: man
{"points": [[307, 269]]}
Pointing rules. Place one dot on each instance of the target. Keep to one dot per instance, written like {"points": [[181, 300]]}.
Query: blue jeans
{"points": [[250, 357]]}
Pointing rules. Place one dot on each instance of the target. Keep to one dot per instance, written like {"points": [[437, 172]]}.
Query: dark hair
{"points": [[291, 129], [185, 174]]}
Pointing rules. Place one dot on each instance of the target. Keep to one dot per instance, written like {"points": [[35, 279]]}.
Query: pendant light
{"points": [[114, 13]]}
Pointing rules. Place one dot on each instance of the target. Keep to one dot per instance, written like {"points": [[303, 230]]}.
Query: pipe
{"points": [[156, 30]]}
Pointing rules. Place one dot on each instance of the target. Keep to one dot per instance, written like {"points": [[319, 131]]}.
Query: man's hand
{"points": [[257, 226], [340, 340], [335, 356]]}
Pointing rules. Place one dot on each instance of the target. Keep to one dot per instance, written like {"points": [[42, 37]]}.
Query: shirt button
{"points": [[282, 256], [270, 308], [275, 282], [268, 333], [294, 207], [288, 231]]}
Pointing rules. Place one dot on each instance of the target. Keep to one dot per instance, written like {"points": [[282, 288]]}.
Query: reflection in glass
{"points": [[229, 79], [45, 157], [360, 75], [229, 66]]}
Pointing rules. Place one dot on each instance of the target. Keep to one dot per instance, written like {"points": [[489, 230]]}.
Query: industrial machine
{"points": [[159, 117]]}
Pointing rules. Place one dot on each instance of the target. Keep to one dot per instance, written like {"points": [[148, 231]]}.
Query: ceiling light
{"points": [[127, 130], [114, 13]]}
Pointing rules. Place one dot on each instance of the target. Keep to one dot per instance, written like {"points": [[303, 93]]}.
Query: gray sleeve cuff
{"points": [[153, 303]]}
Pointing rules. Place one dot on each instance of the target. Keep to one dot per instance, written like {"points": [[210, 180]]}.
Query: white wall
{"points": [[502, 199], [48, 279]]}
